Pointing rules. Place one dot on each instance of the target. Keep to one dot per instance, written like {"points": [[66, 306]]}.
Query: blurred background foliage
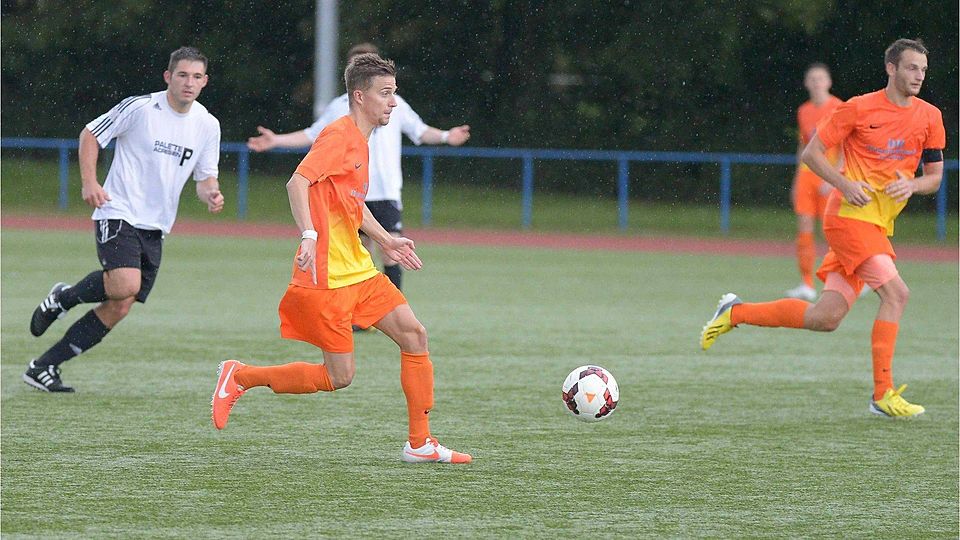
{"points": [[690, 75]]}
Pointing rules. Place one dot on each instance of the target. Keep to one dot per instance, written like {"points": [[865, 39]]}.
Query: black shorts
{"points": [[387, 214], [121, 245]]}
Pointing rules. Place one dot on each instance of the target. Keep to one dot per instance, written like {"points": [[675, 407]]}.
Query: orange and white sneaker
{"points": [[226, 393], [432, 452]]}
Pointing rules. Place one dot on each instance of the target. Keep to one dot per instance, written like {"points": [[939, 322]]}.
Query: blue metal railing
{"points": [[527, 156]]}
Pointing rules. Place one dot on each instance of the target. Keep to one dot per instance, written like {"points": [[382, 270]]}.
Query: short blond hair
{"points": [[362, 68]]}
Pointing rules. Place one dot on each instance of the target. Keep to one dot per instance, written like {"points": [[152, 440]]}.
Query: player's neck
{"points": [[897, 97], [182, 109], [365, 126], [819, 99]]}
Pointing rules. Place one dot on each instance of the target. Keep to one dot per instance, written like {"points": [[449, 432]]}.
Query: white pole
{"points": [[326, 30]]}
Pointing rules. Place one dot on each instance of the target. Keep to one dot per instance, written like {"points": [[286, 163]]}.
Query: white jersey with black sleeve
{"points": [[157, 149], [386, 176]]}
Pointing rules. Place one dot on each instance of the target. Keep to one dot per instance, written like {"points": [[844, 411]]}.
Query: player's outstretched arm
{"points": [[397, 248], [208, 191], [91, 191], [854, 191], [455, 136], [268, 140]]}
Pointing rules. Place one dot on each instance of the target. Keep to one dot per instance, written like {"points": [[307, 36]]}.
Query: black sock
{"points": [[84, 334], [88, 289], [394, 273]]}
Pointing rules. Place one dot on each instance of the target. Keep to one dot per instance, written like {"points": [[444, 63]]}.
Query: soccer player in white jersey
{"points": [[162, 138], [386, 177]]}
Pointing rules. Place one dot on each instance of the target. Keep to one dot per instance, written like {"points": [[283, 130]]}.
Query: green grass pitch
{"points": [[767, 435]]}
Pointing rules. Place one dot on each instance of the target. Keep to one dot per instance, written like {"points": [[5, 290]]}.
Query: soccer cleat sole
{"points": [[213, 396], [40, 387], [29, 380], [880, 412], [711, 331]]}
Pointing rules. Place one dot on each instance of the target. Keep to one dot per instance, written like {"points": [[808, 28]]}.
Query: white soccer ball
{"points": [[590, 393]]}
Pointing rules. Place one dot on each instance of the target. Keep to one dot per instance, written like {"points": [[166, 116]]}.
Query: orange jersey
{"points": [[879, 139], [808, 116], [337, 167]]}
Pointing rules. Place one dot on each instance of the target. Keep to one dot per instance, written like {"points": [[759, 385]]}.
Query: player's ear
{"points": [[891, 68], [167, 76]]}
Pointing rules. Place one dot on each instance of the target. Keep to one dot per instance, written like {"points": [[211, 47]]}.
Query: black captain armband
{"points": [[932, 155]]}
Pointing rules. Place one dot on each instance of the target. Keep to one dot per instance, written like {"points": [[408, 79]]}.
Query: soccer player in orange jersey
{"points": [[809, 193], [885, 135], [335, 284]]}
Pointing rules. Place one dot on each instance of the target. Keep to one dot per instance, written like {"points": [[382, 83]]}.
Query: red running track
{"points": [[669, 244]]}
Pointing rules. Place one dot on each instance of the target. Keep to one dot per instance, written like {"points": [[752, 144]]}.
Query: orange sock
{"points": [[293, 378], [786, 313], [883, 340], [806, 256], [416, 378]]}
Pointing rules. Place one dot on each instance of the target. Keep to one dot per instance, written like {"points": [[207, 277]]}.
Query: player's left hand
{"points": [[400, 250], [900, 189], [458, 135], [215, 201]]}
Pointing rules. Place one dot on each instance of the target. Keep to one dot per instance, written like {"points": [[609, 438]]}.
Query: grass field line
{"points": [[481, 237]]}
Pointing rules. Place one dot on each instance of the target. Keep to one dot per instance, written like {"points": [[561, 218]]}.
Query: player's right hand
{"points": [[458, 135], [265, 141], [307, 258], [94, 195], [855, 192], [401, 250]]}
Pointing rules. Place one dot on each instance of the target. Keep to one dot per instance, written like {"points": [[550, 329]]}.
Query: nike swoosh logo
{"points": [[222, 392], [434, 455], [358, 165], [874, 126]]}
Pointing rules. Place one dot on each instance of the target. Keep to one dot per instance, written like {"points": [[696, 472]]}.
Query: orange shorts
{"points": [[807, 199], [851, 243], [325, 317]]}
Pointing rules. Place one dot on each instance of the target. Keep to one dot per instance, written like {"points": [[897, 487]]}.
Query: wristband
{"points": [[308, 235], [444, 135]]}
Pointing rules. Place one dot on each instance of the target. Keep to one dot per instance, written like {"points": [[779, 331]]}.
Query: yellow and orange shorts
{"points": [[325, 317], [859, 252]]}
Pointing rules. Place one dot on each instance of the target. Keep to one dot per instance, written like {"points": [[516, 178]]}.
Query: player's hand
{"points": [[458, 135], [902, 188], [401, 251], [855, 192], [94, 195], [214, 201], [307, 258], [265, 141]]}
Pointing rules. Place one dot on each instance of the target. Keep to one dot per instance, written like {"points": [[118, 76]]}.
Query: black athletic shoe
{"points": [[45, 378], [48, 311]]}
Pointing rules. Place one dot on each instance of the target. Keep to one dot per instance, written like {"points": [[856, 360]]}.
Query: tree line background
{"points": [[690, 75]]}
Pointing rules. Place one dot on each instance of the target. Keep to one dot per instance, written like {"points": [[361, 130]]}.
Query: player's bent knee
{"points": [[830, 323], [122, 291], [120, 308], [824, 318], [418, 336], [341, 378]]}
